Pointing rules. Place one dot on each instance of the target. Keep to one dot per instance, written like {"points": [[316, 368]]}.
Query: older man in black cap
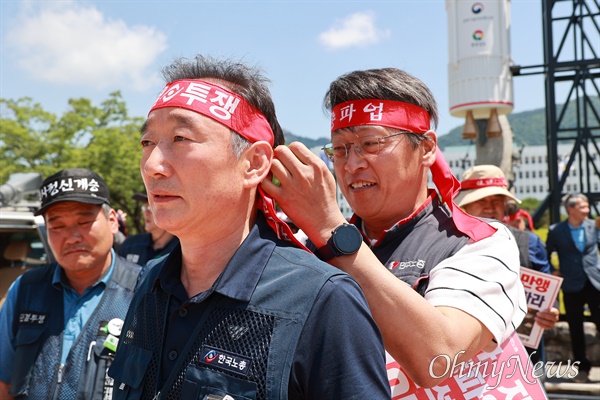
{"points": [[60, 324]]}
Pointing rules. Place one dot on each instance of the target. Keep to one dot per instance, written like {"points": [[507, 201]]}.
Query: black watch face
{"points": [[347, 239]]}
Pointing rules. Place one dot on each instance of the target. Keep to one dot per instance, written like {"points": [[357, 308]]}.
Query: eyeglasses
{"points": [[338, 151]]}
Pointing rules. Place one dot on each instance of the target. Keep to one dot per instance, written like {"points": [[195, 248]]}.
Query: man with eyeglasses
{"points": [[155, 242], [438, 281]]}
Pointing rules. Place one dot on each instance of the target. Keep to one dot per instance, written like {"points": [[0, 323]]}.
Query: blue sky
{"points": [[52, 51]]}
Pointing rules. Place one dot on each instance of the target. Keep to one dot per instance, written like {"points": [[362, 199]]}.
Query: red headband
{"points": [[394, 114], [411, 118], [219, 104], [237, 114], [482, 183], [520, 213]]}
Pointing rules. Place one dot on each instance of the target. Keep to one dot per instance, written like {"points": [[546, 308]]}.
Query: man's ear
{"points": [[429, 148], [113, 220], [257, 163]]}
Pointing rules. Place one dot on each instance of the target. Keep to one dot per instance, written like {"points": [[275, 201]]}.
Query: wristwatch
{"points": [[345, 240]]}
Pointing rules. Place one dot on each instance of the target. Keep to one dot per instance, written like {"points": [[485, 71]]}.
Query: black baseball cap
{"points": [[73, 184]]}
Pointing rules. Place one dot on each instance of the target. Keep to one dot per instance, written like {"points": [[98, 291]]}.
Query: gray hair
{"points": [[572, 199], [383, 84], [106, 208], [238, 144], [246, 81]]}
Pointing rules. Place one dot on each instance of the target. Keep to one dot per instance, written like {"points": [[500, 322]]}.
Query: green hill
{"points": [[529, 128], [290, 137]]}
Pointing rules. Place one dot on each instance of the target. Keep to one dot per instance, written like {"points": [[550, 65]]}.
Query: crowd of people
{"points": [[246, 286]]}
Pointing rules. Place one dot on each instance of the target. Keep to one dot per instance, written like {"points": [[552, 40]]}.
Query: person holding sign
{"points": [[484, 194]]}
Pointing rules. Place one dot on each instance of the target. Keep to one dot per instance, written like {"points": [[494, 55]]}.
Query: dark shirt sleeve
{"points": [[537, 254], [340, 352]]}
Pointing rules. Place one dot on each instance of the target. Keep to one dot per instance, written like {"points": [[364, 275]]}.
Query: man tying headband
{"points": [[235, 311], [438, 281]]}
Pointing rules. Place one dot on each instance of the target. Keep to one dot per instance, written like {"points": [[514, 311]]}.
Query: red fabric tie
{"points": [[448, 187], [267, 205], [469, 184]]}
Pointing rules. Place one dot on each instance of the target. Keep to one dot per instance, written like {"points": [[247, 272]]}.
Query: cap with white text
{"points": [[74, 184]]}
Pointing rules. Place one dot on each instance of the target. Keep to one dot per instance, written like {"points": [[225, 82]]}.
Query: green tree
{"points": [[102, 138]]}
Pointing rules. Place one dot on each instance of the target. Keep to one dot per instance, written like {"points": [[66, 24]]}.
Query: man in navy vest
{"points": [[60, 324], [235, 311]]}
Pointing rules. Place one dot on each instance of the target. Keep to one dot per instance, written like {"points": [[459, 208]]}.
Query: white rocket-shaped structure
{"points": [[480, 80]]}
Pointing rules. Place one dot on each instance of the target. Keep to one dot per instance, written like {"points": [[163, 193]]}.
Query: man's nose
{"points": [[156, 162], [355, 159]]}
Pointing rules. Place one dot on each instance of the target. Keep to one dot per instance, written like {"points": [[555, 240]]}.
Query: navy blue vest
{"points": [[257, 338], [38, 328]]}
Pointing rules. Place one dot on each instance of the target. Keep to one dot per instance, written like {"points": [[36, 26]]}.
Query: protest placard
{"points": [[540, 290], [505, 373]]}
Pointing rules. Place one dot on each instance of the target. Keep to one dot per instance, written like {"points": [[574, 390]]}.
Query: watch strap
{"points": [[327, 252], [331, 249]]}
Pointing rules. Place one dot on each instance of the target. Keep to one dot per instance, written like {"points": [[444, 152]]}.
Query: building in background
{"points": [[530, 169]]}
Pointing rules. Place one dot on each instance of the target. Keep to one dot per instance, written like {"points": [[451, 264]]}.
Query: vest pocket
{"points": [[93, 381], [27, 335], [128, 370], [205, 384], [28, 342]]}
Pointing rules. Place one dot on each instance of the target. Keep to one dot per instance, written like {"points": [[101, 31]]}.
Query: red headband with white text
{"points": [[237, 114], [219, 104], [479, 183], [393, 114], [411, 118]]}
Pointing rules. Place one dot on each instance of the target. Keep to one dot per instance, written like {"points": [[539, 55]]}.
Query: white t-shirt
{"points": [[482, 279]]}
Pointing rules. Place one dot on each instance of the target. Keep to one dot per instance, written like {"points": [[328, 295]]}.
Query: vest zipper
{"points": [[60, 369], [58, 381]]}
